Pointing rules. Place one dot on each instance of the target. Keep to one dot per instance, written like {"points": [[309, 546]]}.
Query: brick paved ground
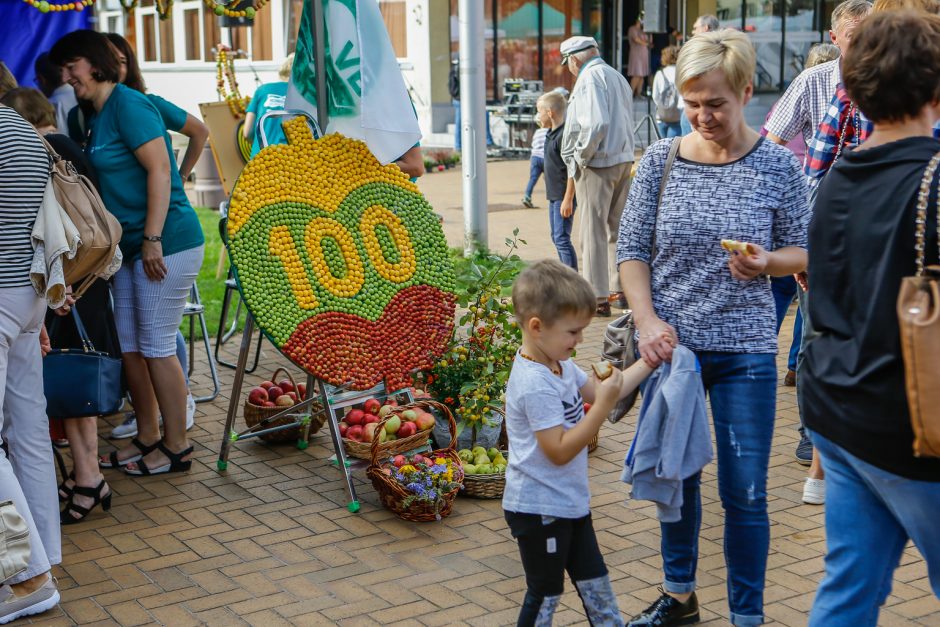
{"points": [[270, 542]]}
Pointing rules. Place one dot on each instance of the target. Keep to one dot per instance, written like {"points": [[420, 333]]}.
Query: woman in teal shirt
{"points": [[268, 97], [162, 243]]}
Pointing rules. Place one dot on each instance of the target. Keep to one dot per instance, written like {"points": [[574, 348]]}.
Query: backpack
{"points": [[667, 101], [98, 255]]}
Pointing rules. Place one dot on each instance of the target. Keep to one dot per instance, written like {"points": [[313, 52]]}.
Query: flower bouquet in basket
{"points": [[420, 487]]}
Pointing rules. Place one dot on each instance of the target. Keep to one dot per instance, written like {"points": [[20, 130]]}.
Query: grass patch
{"points": [[211, 287]]}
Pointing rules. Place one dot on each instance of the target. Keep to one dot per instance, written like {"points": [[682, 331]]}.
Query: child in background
{"points": [[550, 110], [536, 164], [547, 498]]}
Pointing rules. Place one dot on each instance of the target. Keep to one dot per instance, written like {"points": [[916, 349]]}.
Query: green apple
{"points": [[409, 414], [392, 424]]}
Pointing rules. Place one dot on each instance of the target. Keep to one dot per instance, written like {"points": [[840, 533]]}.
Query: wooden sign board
{"points": [[224, 132]]}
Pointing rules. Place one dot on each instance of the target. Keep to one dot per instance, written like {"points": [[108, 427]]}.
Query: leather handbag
{"points": [[620, 338], [918, 310], [81, 382], [14, 541], [98, 255]]}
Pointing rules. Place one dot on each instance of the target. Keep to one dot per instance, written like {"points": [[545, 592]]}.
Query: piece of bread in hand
{"points": [[732, 245], [602, 369]]}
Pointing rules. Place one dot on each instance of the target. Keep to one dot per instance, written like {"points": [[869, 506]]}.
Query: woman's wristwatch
{"points": [[153, 238]]}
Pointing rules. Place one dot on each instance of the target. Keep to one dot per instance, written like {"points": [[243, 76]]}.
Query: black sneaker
{"points": [[527, 202], [667, 611], [804, 450]]}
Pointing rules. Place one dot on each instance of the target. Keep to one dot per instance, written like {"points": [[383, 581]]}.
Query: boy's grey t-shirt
{"points": [[537, 399]]}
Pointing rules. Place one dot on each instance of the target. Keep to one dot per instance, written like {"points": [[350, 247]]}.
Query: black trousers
{"points": [[549, 548]]}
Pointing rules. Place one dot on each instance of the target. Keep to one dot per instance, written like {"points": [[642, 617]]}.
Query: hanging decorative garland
{"points": [[225, 71], [220, 8], [45, 6], [129, 5], [164, 8]]}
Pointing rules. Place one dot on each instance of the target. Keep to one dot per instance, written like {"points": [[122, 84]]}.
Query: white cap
{"points": [[575, 44]]}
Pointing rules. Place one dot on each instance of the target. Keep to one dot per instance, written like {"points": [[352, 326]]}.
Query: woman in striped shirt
{"points": [[24, 173]]}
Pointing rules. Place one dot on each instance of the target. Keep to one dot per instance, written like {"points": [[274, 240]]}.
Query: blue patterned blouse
{"points": [[760, 198]]}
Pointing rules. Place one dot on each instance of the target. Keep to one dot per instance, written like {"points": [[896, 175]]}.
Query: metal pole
{"points": [[473, 123], [319, 60]]}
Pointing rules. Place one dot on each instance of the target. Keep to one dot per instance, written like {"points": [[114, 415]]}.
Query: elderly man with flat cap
{"points": [[597, 149]]}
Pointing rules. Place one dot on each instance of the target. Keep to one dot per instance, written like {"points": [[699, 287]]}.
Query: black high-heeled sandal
{"points": [[66, 517], [177, 464], [114, 462], [66, 489]]}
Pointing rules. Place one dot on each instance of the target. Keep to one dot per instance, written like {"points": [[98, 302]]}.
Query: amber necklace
{"points": [[556, 372]]}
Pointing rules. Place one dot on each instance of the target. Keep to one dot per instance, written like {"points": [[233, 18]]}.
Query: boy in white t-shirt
{"points": [[547, 498]]}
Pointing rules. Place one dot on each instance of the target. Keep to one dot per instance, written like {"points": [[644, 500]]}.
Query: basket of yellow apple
{"points": [[484, 472]]}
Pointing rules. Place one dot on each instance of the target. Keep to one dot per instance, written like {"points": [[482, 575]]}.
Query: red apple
{"points": [[587, 407], [269, 404], [258, 396], [392, 402], [371, 406], [407, 429], [399, 461], [274, 392], [355, 416], [293, 396], [355, 433], [343, 429], [424, 422], [384, 410], [286, 385], [266, 384], [419, 459], [302, 390], [283, 401], [368, 419]]}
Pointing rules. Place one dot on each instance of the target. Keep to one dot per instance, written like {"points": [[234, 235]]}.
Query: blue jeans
{"points": [[684, 123], [457, 142], [561, 233], [742, 390], [536, 167], [670, 129], [784, 291], [870, 514]]}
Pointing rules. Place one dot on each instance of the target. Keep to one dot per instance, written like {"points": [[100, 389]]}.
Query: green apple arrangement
{"points": [[481, 461]]}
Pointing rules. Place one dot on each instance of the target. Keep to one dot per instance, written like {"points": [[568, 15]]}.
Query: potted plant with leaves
{"points": [[470, 377]]}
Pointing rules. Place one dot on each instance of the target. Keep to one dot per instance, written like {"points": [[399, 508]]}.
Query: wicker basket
{"points": [[392, 494], [592, 445], [363, 450], [485, 486], [254, 415]]}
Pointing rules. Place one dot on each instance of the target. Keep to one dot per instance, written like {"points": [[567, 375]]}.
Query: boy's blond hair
{"points": [[548, 290], [555, 102]]}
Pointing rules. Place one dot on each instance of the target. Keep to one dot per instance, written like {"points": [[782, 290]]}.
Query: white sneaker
{"points": [[814, 491], [128, 428], [43, 599]]}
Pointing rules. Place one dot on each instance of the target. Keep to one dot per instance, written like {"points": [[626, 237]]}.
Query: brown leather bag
{"points": [[919, 318], [98, 255]]}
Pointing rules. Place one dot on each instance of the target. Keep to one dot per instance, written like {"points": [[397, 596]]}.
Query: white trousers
{"points": [[27, 468]]}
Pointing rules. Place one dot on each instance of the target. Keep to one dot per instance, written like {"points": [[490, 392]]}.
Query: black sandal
{"points": [[603, 310], [114, 462], [66, 517], [177, 463], [66, 489]]}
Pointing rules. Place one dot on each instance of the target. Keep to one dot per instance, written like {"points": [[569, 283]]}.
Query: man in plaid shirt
{"points": [[804, 105]]}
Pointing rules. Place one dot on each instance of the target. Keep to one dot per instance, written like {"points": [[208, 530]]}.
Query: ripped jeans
{"points": [[742, 391]]}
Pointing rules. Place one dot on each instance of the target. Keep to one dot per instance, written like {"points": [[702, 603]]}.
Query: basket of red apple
{"points": [[407, 428], [420, 487], [273, 396]]}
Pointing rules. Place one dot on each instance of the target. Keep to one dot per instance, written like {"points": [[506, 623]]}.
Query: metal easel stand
{"points": [[649, 121], [333, 398]]}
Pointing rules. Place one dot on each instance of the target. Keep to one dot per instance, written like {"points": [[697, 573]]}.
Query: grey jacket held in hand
{"points": [[672, 440], [599, 120]]}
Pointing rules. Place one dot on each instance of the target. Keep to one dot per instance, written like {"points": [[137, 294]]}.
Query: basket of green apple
{"points": [[484, 472]]}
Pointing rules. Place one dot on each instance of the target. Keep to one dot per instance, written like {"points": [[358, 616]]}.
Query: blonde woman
{"points": [[726, 182], [268, 97]]}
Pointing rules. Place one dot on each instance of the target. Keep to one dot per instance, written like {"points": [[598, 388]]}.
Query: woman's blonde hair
{"points": [[286, 67], [727, 50], [669, 55], [32, 105], [7, 81], [821, 53]]}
